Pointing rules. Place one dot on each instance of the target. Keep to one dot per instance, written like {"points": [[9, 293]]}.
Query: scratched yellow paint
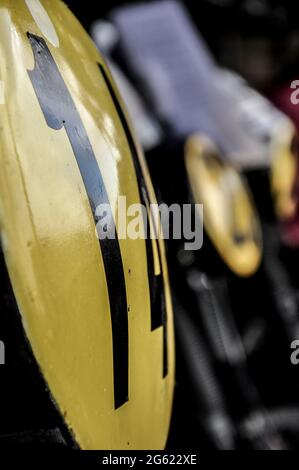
{"points": [[50, 246]]}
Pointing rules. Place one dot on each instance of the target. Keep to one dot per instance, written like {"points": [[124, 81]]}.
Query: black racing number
{"points": [[60, 111], [156, 282]]}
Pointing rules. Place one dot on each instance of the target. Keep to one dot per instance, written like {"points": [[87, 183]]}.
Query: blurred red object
{"points": [[281, 96]]}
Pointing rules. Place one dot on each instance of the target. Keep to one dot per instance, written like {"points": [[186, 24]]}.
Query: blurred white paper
{"points": [[188, 90]]}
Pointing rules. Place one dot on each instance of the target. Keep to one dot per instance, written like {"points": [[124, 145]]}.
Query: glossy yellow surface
{"points": [[50, 245], [229, 216], [283, 172]]}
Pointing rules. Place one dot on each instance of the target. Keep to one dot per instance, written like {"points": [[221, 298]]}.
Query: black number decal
{"points": [[60, 111], [156, 283]]}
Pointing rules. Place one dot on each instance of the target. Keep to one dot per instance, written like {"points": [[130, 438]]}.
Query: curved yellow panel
{"points": [[97, 314], [283, 171], [229, 216]]}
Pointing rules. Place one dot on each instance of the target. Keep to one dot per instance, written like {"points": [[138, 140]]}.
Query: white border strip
{"points": [[43, 21]]}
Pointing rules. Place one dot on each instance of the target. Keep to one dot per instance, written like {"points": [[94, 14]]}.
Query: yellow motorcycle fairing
{"points": [[97, 314], [229, 216]]}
